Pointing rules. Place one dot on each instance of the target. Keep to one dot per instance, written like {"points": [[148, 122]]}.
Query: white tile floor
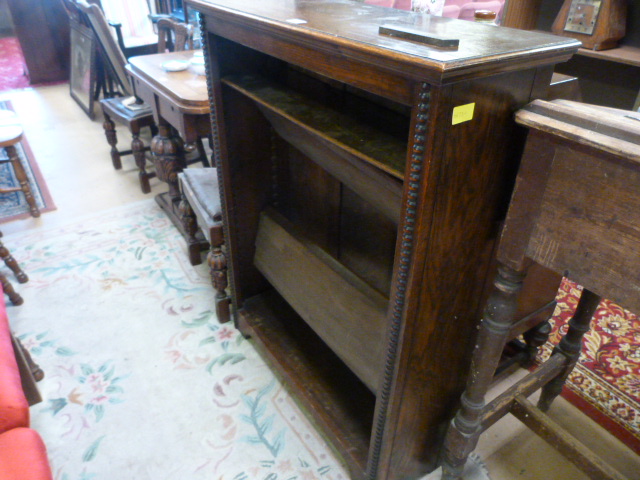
{"points": [[74, 158]]}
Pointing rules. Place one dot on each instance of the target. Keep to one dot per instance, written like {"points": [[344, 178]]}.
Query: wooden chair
{"points": [[174, 36], [126, 109], [574, 210], [201, 214], [132, 25], [10, 135]]}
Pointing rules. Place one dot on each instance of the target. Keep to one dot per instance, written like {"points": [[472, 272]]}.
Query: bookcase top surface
{"points": [[349, 22]]}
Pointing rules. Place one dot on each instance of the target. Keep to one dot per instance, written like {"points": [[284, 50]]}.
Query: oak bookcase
{"points": [[363, 178]]}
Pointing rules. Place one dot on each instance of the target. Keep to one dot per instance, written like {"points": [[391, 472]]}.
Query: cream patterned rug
{"points": [[141, 380]]}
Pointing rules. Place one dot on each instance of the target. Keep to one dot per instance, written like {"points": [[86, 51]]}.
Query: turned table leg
{"points": [[570, 346], [168, 150], [465, 428]]}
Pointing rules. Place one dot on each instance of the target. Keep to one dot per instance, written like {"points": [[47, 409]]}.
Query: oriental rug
{"points": [[606, 381], [13, 205]]}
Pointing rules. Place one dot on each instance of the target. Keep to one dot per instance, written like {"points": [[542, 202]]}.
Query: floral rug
{"points": [[606, 382], [141, 381]]}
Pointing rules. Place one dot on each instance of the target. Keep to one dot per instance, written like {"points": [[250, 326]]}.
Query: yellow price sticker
{"points": [[462, 113]]}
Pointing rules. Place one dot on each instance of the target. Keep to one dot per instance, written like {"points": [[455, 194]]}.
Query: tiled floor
{"points": [[74, 158]]}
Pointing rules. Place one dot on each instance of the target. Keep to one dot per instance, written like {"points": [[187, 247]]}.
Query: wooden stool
{"points": [[10, 134], [201, 215], [575, 211]]}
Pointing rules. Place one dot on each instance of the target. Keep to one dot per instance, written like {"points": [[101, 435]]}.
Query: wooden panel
{"points": [[344, 311], [601, 211]]}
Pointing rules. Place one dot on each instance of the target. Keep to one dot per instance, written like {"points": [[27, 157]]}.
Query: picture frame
{"points": [[82, 77]]}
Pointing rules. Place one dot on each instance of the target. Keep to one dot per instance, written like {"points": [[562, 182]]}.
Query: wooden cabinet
{"points": [[363, 178], [42, 27]]}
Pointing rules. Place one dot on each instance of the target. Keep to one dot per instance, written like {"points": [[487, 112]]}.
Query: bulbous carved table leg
{"points": [[168, 150], [465, 428], [169, 160]]}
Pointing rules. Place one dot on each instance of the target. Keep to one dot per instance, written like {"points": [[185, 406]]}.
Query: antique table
{"points": [[180, 105]]}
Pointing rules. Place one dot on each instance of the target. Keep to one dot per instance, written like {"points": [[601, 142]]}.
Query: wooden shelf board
{"points": [[336, 401], [623, 54], [370, 144]]}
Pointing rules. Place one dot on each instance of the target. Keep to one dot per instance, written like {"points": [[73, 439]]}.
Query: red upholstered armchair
{"points": [[22, 453]]}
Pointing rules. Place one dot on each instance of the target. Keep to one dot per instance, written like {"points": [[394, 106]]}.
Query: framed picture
{"points": [[82, 77]]}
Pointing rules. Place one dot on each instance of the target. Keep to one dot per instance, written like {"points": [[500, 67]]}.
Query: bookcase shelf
{"points": [[367, 159]]}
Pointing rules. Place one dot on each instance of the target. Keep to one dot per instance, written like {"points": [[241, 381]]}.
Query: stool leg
{"points": [[112, 139], [218, 269], [465, 429], [570, 346], [137, 148], [12, 264], [190, 225], [21, 176], [11, 293]]}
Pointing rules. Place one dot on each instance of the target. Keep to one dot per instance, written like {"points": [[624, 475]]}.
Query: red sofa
{"points": [[22, 453]]}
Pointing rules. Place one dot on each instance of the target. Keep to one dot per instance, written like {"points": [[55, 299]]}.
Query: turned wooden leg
{"points": [[9, 291], [465, 429], [34, 368], [570, 346], [169, 160], [534, 339], [12, 264], [218, 269], [112, 139], [190, 225], [21, 176], [137, 148]]}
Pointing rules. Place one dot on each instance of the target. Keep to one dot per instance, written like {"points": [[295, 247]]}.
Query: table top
{"points": [[185, 89], [355, 25]]}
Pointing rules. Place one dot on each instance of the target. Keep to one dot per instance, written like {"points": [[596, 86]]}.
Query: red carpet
{"points": [[606, 382], [12, 66]]}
